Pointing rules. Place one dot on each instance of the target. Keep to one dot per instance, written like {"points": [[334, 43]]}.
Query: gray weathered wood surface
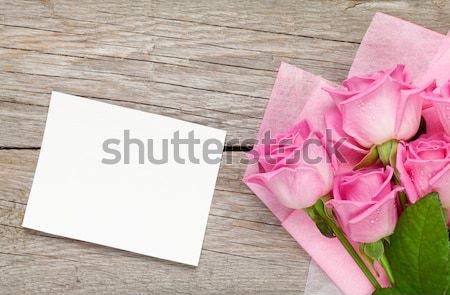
{"points": [[210, 62]]}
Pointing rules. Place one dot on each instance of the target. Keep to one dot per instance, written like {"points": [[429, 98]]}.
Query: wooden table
{"points": [[210, 62]]}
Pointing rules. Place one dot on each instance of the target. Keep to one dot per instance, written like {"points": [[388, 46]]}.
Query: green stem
{"points": [[348, 246], [387, 268], [317, 213]]}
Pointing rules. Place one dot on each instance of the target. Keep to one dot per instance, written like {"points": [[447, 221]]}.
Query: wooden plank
{"points": [[334, 20], [245, 249], [177, 42], [24, 109]]}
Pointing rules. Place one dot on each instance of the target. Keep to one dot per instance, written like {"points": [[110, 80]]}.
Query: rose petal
{"points": [[362, 186], [347, 210], [405, 179], [377, 222], [345, 151], [440, 183], [295, 188]]}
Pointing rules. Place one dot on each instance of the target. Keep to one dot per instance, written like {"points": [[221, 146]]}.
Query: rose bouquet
{"points": [[368, 167]]}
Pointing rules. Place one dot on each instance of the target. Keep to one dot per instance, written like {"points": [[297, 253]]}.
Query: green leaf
{"points": [[419, 249], [314, 213], [369, 160], [448, 271], [374, 250], [325, 229]]}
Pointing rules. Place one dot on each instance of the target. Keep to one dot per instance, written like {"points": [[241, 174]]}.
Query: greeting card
{"points": [[124, 178]]}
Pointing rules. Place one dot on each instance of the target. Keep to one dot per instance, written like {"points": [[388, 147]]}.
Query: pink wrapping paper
{"points": [[298, 95]]}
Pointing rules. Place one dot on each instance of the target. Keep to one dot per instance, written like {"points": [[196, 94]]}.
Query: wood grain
{"points": [[210, 62]]}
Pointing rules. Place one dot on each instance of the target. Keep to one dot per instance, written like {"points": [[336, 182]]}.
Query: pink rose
{"points": [[364, 203], [294, 167], [441, 104], [379, 107], [424, 167], [347, 152]]}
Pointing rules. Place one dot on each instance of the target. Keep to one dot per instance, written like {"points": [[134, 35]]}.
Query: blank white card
{"points": [[115, 176]]}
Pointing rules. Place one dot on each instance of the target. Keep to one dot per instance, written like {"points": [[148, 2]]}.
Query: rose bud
{"points": [[441, 104], [364, 203], [294, 167], [380, 107], [424, 167]]}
